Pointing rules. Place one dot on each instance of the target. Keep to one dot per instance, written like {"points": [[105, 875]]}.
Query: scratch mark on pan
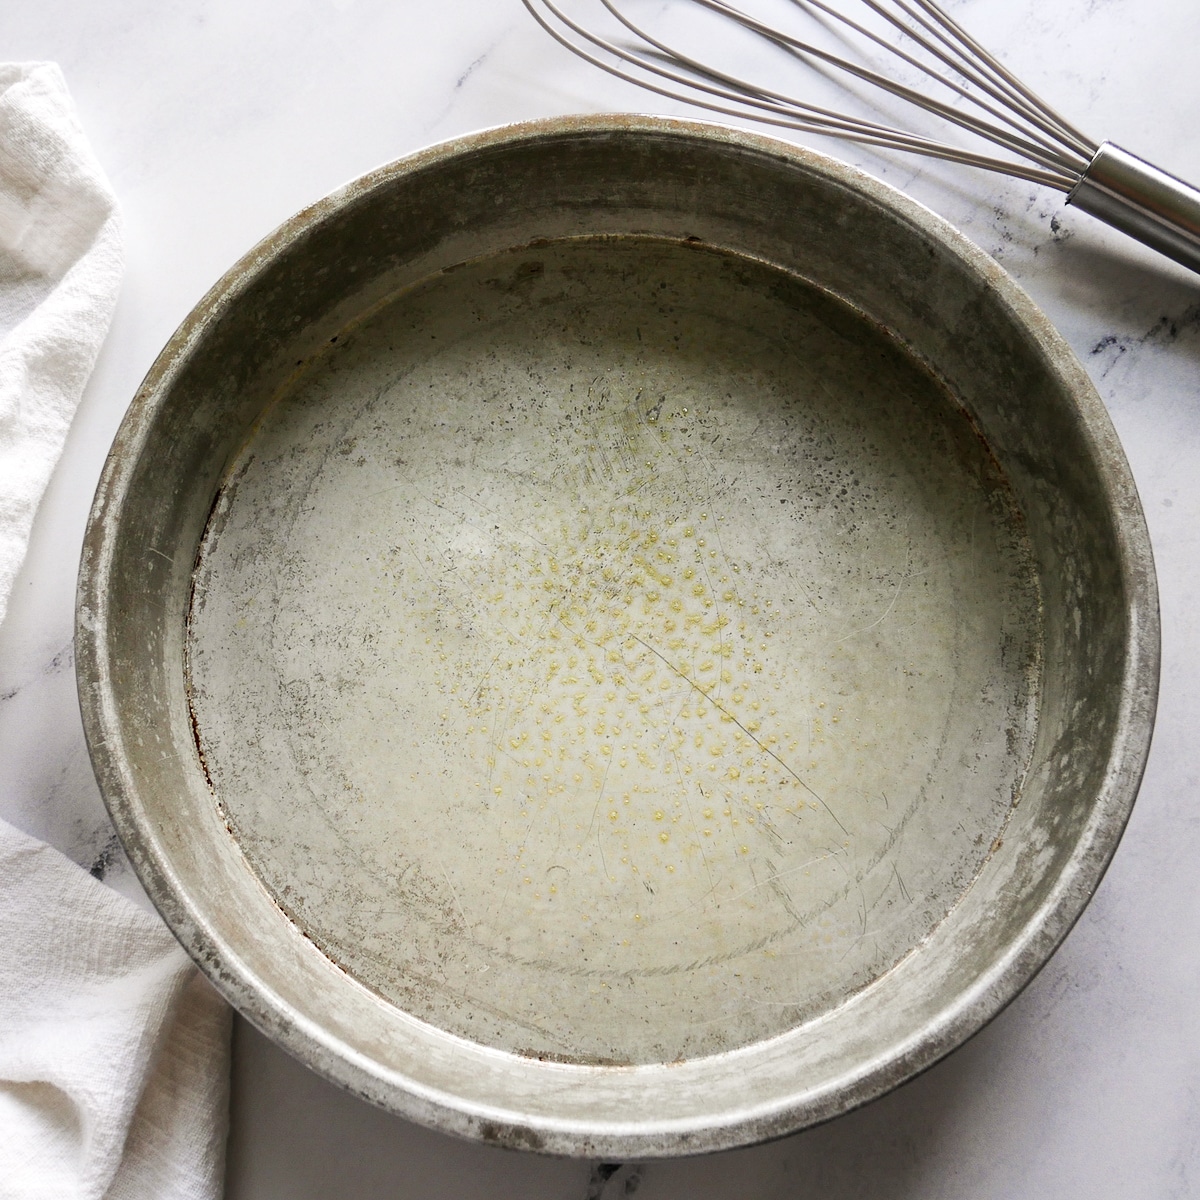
{"points": [[696, 831], [599, 799], [856, 881], [499, 516], [498, 731], [600, 847], [520, 852], [424, 569], [895, 596], [475, 695], [761, 745], [757, 886], [457, 901], [462, 518]]}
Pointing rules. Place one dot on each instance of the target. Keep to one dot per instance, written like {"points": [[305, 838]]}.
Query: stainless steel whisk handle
{"points": [[1139, 199]]}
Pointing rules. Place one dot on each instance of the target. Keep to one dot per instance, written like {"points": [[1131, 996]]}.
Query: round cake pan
{"points": [[618, 637]]}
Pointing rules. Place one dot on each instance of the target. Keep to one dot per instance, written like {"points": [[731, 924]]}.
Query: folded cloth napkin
{"points": [[113, 1050]]}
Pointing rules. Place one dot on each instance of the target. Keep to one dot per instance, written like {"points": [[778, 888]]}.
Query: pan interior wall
{"points": [[615, 651]]}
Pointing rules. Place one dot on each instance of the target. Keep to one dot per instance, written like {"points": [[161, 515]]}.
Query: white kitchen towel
{"points": [[60, 268], [113, 1051]]}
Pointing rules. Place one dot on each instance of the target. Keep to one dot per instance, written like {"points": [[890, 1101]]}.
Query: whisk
{"points": [[983, 99]]}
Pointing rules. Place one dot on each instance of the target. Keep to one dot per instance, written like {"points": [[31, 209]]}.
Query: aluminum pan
{"points": [[799, 213]]}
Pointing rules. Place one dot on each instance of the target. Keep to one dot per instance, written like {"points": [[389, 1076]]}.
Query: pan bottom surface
{"points": [[615, 651]]}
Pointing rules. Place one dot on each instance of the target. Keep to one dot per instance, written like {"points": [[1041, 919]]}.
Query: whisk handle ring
{"points": [[1143, 201]]}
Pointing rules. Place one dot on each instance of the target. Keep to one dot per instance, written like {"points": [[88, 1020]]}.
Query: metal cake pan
{"points": [[618, 636]]}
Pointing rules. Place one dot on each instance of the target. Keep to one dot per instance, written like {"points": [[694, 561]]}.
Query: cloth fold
{"points": [[113, 1050], [60, 270]]}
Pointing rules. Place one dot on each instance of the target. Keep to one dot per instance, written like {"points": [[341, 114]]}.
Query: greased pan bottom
{"points": [[590, 649]]}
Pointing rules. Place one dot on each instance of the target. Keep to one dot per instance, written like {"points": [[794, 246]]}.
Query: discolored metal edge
{"points": [[387, 1088]]}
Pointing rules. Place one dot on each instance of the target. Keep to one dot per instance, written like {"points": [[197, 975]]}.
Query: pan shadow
{"points": [[293, 1135]]}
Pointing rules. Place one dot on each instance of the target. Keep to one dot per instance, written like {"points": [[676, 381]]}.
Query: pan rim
{"points": [[925, 1046]]}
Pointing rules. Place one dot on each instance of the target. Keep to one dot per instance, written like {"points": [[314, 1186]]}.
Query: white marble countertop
{"points": [[217, 119]]}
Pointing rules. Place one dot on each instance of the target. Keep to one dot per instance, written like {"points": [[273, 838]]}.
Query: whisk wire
{"points": [[787, 111], [989, 76], [777, 102], [1019, 91], [785, 108], [753, 94], [1040, 150]]}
